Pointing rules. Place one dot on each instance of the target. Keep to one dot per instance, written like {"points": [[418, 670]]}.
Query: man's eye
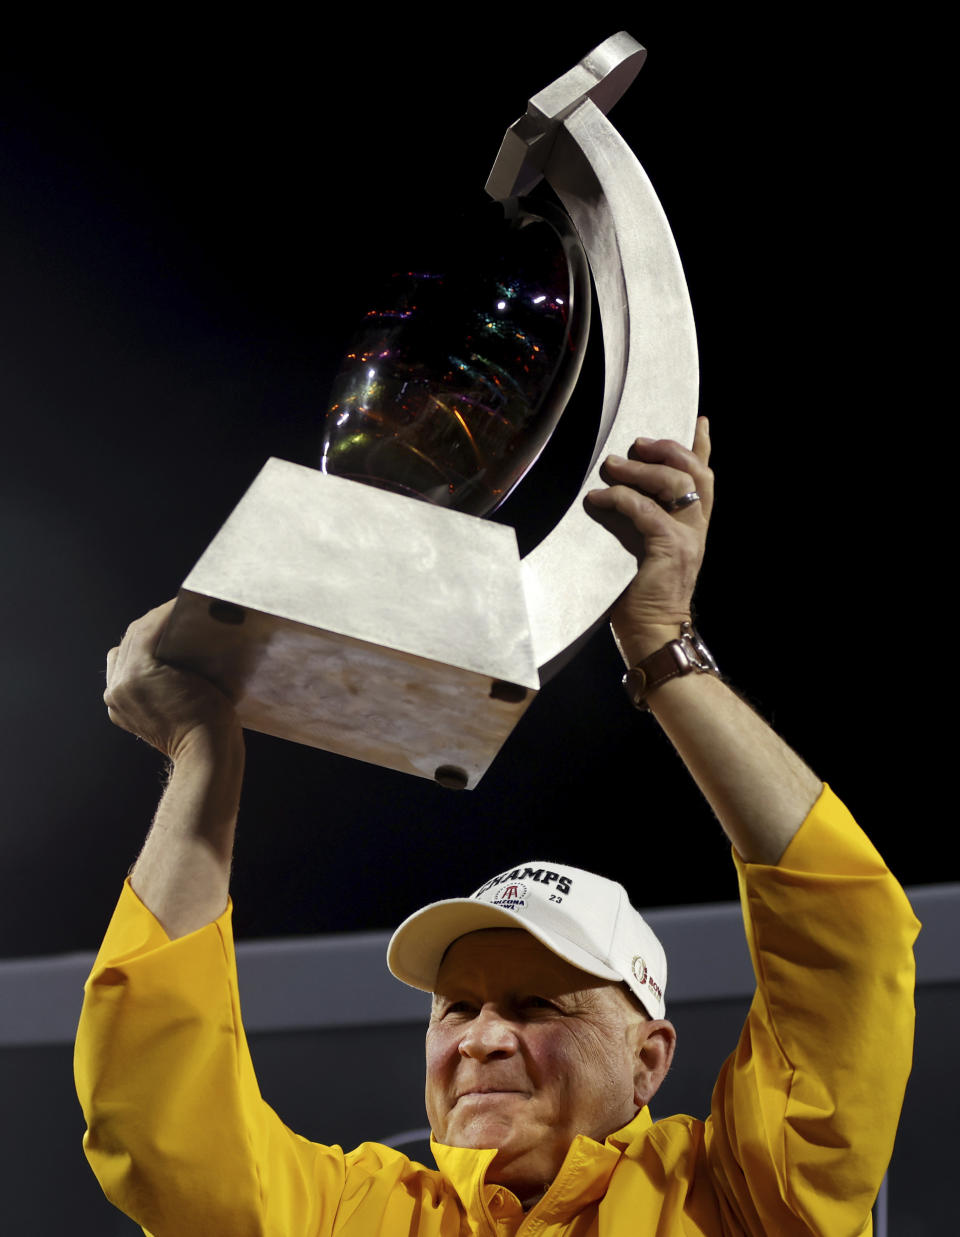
{"points": [[538, 1002], [457, 1007]]}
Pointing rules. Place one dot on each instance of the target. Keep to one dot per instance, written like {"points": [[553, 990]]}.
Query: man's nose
{"points": [[489, 1035]]}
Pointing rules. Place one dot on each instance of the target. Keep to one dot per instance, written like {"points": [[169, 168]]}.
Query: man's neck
{"points": [[531, 1201]]}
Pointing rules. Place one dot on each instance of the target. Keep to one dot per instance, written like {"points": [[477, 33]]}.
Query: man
{"points": [[547, 1038]]}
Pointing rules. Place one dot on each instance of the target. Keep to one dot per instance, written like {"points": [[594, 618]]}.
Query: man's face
{"points": [[524, 1051]]}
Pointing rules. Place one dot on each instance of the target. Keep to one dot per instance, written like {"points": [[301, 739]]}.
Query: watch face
{"points": [[705, 654], [703, 658]]}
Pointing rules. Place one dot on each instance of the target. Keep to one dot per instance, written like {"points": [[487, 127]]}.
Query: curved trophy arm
{"points": [[651, 373]]}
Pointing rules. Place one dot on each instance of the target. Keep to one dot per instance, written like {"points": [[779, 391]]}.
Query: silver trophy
{"points": [[363, 620]]}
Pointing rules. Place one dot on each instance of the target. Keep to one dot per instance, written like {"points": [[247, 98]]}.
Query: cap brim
{"points": [[417, 947]]}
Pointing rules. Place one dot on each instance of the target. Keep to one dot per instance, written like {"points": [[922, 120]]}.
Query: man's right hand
{"points": [[170, 709], [183, 872]]}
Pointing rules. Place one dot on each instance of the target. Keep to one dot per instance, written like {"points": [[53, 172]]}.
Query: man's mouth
{"points": [[479, 1092]]}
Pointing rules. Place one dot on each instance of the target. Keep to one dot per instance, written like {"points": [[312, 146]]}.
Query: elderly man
{"points": [[547, 1038]]}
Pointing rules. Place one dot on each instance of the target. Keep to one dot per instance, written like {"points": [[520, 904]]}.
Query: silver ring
{"points": [[677, 504]]}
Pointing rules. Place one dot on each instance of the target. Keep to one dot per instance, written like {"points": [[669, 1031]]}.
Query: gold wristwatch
{"points": [[679, 657]]}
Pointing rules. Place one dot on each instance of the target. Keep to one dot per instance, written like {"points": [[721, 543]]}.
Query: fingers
{"points": [[643, 511], [701, 440], [111, 670], [659, 481], [141, 638], [135, 651], [666, 470], [636, 520], [144, 633], [688, 463]]}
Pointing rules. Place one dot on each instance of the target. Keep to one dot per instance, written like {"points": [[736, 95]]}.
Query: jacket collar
{"points": [[583, 1177]]}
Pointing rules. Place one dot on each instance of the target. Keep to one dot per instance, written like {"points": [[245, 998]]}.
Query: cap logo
{"points": [[543, 876], [511, 897], [643, 976]]}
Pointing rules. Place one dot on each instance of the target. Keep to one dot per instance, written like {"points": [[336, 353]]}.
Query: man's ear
{"points": [[655, 1046]]}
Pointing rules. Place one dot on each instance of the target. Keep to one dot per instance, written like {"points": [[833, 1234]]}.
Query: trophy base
{"points": [[361, 622]]}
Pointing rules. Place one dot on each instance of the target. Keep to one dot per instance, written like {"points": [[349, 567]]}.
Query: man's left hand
{"points": [[648, 507]]}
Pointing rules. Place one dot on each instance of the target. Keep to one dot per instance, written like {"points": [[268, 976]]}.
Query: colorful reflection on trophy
{"points": [[456, 378]]}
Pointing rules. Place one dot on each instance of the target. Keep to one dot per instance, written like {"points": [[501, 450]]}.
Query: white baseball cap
{"points": [[583, 918]]}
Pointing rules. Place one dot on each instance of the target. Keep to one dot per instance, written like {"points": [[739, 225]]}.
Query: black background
{"points": [[186, 242]]}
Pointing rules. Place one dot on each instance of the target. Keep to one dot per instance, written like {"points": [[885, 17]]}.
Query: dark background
{"points": [[186, 243]]}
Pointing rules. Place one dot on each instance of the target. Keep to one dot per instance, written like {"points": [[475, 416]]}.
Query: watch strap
{"points": [[676, 658]]}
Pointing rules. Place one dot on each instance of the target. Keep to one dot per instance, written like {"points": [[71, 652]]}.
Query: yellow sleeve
{"points": [[177, 1132], [805, 1111]]}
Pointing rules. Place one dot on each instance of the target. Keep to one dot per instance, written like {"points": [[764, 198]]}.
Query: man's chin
{"points": [[488, 1119], [482, 1131], [522, 1162]]}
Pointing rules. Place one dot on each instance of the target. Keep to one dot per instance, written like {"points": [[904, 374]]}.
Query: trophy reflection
{"points": [[456, 379]]}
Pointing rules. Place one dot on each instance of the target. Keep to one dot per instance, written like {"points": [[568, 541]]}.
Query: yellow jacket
{"points": [[800, 1131]]}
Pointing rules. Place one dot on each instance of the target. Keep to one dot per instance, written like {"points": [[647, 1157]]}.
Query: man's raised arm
{"points": [[760, 790], [183, 872], [178, 1134], [805, 1110]]}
